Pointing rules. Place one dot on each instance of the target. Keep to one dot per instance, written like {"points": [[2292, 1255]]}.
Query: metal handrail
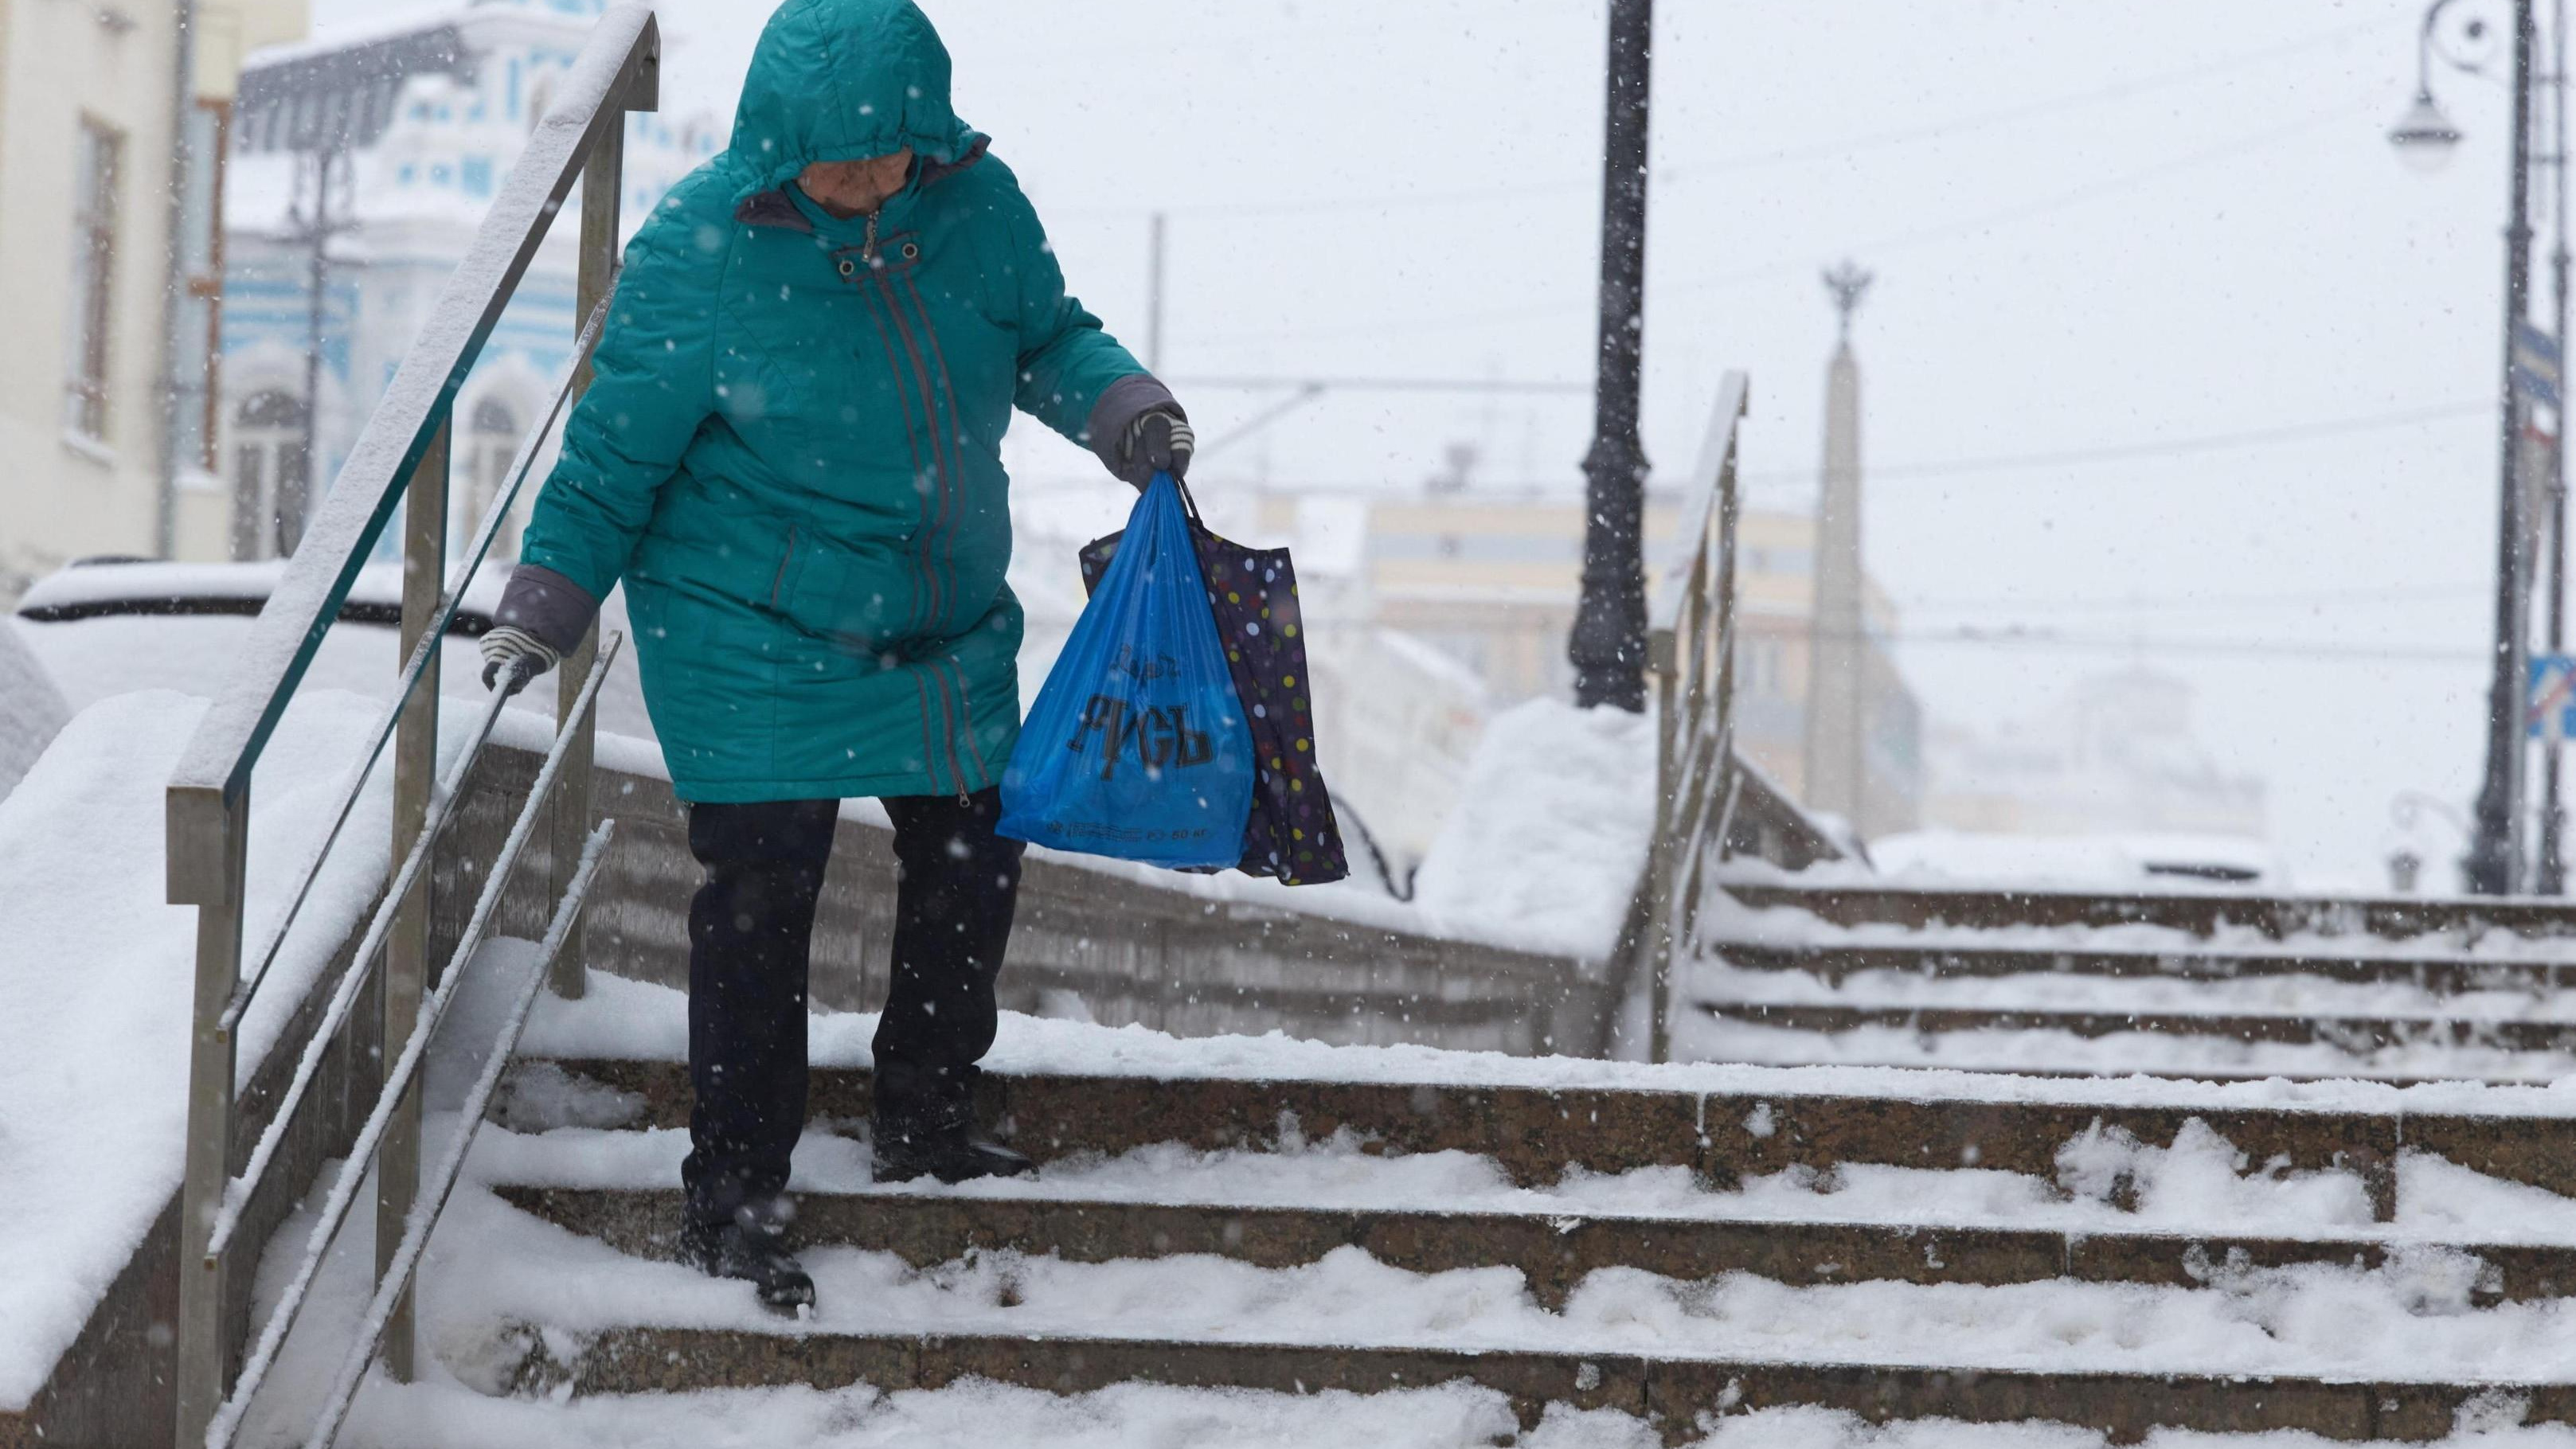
{"points": [[1711, 475], [1691, 650], [406, 1067], [353, 787], [478, 1101], [399, 433], [361, 970], [400, 457]]}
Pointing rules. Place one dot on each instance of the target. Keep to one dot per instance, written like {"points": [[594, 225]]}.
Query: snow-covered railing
{"points": [[1691, 650], [401, 455]]}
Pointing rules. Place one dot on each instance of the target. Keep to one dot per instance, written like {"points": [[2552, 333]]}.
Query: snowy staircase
{"points": [[1679, 1245], [2203, 985]]}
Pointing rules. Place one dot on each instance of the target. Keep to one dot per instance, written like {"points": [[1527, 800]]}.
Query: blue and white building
{"points": [[411, 128]]}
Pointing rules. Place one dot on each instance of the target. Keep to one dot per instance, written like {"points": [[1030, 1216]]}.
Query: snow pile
{"points": [[32, 711], [1550, 835], [98, 972]]}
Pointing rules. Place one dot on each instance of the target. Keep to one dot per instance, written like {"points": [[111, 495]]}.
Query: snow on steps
{"points": [[1438, 1246], [1666, 1243], [1847, 899], [2201, 984]]}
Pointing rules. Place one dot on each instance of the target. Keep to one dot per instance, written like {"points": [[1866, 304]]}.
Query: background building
{"points": [[92, 111], [360, 172], [1488, 578], [2116, 755], [1774, 662]]}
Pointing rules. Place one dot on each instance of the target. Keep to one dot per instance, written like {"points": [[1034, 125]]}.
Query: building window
{"points": [[270, 475], [93, 278], [490, 443]]}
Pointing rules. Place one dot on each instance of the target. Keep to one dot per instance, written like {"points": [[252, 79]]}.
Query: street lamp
{"points": [[2424, 134], [1608, 648], [2424, 137]]}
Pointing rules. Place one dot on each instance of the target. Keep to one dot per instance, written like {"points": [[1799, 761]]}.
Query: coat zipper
{"points": [[957, 773]]}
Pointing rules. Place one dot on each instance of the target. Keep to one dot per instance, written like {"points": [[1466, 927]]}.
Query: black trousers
{"points": [[751, 931]]}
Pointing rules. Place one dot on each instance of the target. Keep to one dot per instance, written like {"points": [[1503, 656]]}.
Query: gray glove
{"points": [[512, 656], [1158, 441]]}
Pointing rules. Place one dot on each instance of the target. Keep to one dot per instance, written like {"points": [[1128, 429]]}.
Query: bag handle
{"points": [[1189, 505]]}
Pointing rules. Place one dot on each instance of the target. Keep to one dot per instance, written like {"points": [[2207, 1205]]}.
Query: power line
{"points": [[2073, 100], [2023, 211], [2150, 448], [1778, 479], [2219, 648], [2185, 602], [1689, 173], [1385, 384]]}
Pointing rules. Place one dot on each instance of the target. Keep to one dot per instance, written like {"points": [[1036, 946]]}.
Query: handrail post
{"points": [[207, 840], [1671, 756], [407, 951], [1730, 512], [603, 178]]}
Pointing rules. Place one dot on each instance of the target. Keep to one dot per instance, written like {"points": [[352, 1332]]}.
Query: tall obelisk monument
{"points": [[1837, 694]]}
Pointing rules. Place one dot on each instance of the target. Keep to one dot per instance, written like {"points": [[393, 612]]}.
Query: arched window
{"points": [[271, 475], [491, 441]]}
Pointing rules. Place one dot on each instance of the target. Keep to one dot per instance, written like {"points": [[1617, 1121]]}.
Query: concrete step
{"points": [[1834, 963], [1751, 1122], [1774, 1121], [2064, 1056], [1673, 1393], [2357, 1034], [2198, 913], [1553, 1252], [2074, 1062]]}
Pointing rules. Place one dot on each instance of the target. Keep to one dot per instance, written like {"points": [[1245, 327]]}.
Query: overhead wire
{"points": [[2181, 603], [2233, 148], [2169, 447], [2317, 652], [1691, 172]]}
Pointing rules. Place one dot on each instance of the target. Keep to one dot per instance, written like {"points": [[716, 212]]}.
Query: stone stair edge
{"points": [[2278, 958], [2178, 1012], [1753, 1084], [1677, 1391], [2352, 1236]]}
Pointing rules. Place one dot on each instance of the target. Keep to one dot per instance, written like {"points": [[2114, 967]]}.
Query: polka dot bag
{"points": [[1253, 591]]}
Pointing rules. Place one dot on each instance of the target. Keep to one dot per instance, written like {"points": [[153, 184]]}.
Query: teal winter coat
{"points": [[791, 451]]}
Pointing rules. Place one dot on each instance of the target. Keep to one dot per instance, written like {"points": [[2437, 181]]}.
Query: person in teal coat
{"points": [[791, 458]]}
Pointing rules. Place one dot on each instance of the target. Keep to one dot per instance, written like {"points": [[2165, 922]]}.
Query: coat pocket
{"points": [[852, 598]]}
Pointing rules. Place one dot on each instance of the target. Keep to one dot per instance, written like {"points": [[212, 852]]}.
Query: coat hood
{"points": [[842, 80]]}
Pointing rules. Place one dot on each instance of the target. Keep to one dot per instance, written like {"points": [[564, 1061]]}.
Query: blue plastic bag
{"points": [[1136, 746]]}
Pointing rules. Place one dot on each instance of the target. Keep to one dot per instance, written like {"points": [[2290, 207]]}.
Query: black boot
{"points": [[953, 1154], [756, 1253]]}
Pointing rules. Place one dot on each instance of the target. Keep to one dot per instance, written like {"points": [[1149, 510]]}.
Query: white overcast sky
{"points": [[2095, 224]]}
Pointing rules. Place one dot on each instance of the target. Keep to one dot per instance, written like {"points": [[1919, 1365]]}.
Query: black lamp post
{"points": [[1609, 644], [2425, 137]]}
